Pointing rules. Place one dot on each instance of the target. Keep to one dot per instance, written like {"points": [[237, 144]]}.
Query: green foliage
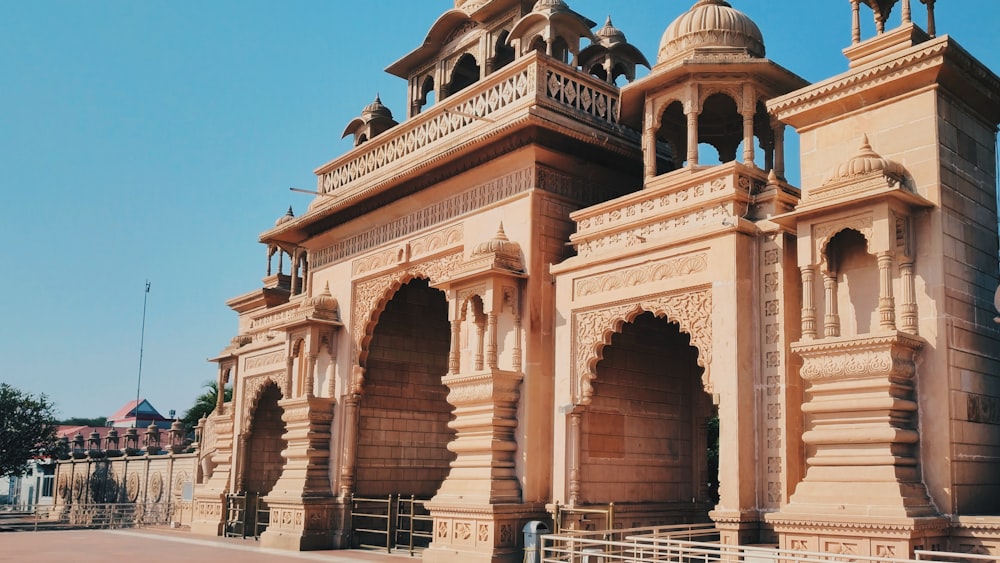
{"points": [[205, 404], [27, 429], [78, 421]]}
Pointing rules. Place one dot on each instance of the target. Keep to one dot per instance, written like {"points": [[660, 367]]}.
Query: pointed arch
{"points": [[593, 329]]}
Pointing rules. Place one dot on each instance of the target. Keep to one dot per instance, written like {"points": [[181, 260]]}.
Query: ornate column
{"points": [[480, 342], [692, 137], [931, 23], [808, 303], [349, 453], [573, 442], [491, 347], [831, 320], [886, 302], [310, 375], [856, 22], [454, 355], [748, 144], [649, 152], [909, 305]]}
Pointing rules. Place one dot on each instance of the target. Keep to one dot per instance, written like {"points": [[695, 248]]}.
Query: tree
{"points": [[205, 404], [80, 421], [27, 429]]}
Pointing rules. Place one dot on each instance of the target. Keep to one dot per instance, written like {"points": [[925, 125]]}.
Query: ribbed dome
{"points": [[376, 108], [288, 216], [610, 35], [867, 161], [499, 244], [708, 24], [325, 300]]}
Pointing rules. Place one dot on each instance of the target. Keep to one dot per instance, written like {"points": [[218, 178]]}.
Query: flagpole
{"points": [[142, 339]]}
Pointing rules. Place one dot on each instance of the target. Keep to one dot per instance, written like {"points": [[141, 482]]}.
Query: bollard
{"points": [[533, 532]]}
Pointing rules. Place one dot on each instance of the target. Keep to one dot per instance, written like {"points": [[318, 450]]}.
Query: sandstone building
{"points": [[539, 290]]}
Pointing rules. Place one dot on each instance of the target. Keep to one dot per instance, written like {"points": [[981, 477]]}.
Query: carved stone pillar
{"points": [[454, 356], [886, 301], [907, 18], [748, 144], [649, 152], [301, 502], [480, 342], [350, 445], [573, 444], [931, 23], [855, 22], [310, 375], [808, 303], [831, 320], [491, 346], [909, 305], [692, 138]]}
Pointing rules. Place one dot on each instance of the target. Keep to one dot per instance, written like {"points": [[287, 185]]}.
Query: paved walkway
{"points": [[151, 545]]}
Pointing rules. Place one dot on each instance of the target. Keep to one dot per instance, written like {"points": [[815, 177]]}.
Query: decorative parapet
{"points": [[474, 111], [683, 204]]}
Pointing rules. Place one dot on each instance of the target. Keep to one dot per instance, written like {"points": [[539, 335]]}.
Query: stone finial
{"points": [[324, 300], [867, 161]]}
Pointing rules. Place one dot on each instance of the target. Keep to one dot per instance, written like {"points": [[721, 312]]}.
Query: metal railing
{"points": [[391, 523], [247, 515], [89, 516], [665, 544]]}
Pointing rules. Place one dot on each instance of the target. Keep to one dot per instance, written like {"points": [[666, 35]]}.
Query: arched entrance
{"points": [[645, 436], [265, 444], [247, 514], [403, 433]]}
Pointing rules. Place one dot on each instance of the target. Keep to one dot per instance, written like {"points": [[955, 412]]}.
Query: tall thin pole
{"points": [[142, 339]]}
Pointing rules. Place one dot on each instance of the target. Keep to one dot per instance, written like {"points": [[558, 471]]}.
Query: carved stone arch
{"points": [[863, 224], [690, 309], [253, 388], [733, 93], [659, 107], [372, 295]]}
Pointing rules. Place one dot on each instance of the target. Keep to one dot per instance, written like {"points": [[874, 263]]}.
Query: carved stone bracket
{"points": [[593, 329]]}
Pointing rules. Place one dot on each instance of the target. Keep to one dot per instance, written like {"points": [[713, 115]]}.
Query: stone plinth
{"points": [[863, 478], [301, 502]]}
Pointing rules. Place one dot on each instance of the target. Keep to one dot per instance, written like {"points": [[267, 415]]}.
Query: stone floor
{"points": [[151, 545]]}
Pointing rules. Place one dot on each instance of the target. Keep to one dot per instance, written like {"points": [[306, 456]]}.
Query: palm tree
{"points": [[205, 404]]}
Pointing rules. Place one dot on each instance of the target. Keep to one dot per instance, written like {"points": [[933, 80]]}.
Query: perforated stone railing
{"points": [[533, 80]]}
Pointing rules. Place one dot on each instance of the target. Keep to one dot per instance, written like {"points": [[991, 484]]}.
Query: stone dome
{"points": [[499, 244], [711, 24], [325, 300], [376, 108], [867, 161], [288, 216], [610, 35]]}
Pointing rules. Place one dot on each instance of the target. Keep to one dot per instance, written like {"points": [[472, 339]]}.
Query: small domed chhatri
{"points": [[324, 300], [609, 34], [288, 216], [712, 25], [376, 108]]}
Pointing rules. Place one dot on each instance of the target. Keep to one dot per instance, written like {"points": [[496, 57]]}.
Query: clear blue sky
{"points": [[155, 140]]}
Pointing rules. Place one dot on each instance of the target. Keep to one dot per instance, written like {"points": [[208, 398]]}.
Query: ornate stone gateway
{"points": [[543, 294]]}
